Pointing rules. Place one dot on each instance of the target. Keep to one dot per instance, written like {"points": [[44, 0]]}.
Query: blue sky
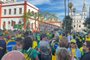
{"points": [[57, 6]]}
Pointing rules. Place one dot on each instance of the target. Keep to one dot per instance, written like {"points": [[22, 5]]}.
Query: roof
{"points": [[18, 3]]}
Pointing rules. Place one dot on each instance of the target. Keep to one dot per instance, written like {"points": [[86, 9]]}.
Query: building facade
{"points": [[79, 18], [12, 13]]}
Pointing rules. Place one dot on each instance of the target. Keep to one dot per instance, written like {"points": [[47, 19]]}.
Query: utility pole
{"points": [[89, 11], [65, 7], [68, 7]]}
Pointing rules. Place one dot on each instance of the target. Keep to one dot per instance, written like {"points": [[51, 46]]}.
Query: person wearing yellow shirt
{"points": [[74, 50], [83, 49]]}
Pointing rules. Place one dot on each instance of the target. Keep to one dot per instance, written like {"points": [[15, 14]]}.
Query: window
{"points": [[20, 10], [79, 25], [80, 21], [4, 11], [8, 22], [14, 10], [9, 11], [4, 25], [74, 25], [28, 10], [33, 12]]}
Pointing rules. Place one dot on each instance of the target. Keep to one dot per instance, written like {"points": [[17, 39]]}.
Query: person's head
{"points": [[19, 43], [43, 37], [63, 42], [13, 55], [84, 45], [88, 46], [27, 43], [73, 43], [63, 54]]}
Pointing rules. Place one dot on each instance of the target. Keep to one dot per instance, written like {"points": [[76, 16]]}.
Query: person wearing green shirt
{"points": [[27, 50], [30, 53]]}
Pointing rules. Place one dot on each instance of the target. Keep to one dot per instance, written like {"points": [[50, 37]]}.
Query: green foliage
{"points": [[70, 5], [67, 24], [87, 24]]}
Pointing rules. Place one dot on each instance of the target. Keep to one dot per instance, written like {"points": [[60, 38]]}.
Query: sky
{"points": [[57, 6]]}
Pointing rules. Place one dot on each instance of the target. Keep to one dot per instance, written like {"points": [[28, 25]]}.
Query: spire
{"points": [[84, 9], [84, 6]]}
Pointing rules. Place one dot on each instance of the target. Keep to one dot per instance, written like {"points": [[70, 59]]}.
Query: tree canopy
{"points": [[67, 24]]}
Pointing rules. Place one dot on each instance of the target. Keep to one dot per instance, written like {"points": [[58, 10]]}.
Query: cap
{"points": [[73, 41]]}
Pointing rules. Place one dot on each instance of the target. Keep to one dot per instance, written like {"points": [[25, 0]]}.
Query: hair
{"points": [[63, 54], [20, 40], [27, 43], [75, 45], [63, 42]]}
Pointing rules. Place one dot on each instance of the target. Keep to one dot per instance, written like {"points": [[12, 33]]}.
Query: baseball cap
{"points": [[73, 41]]}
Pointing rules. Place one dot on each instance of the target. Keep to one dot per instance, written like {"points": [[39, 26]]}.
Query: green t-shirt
{"points": [[30, 54]]}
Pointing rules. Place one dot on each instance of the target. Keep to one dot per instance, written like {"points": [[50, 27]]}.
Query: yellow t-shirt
{"points": [[34, 44], [60, 37], [74, 52]]}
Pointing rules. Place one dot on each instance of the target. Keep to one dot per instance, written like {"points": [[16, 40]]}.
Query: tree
{"points": [[87, 24], [26, 17], [71, 7], [67, 24]]}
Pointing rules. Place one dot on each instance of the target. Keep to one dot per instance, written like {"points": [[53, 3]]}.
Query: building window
{"points": [[74, 25], [32, 12], [28, 10], [80, 21], [14, 10], [4, 25], [4, 11], [9, 11], [20, 10], [9, 22], [79, 25]]}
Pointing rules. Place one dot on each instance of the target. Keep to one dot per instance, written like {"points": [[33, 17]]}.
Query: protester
{"points": [[45, 45], [83, 49], [44, 48], [2, 46], [87, 55], [19, 44], [13, 55], [63, 43], [63, 54], [29, 52], [74, 50]]}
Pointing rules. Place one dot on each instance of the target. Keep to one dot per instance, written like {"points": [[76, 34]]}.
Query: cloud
{"points": [[57, 6], [39, 2]]}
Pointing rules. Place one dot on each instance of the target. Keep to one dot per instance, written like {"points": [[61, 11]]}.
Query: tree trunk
{"points": [[68, 7], [65, 7]]}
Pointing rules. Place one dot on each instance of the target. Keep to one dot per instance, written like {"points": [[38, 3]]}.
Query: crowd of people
{"points": [[46, 45]]}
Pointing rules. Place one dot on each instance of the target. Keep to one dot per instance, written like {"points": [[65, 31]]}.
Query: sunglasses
{"points": [[73, 43]]}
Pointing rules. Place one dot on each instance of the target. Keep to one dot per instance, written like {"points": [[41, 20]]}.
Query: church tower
{"points": [[84, 9]]}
